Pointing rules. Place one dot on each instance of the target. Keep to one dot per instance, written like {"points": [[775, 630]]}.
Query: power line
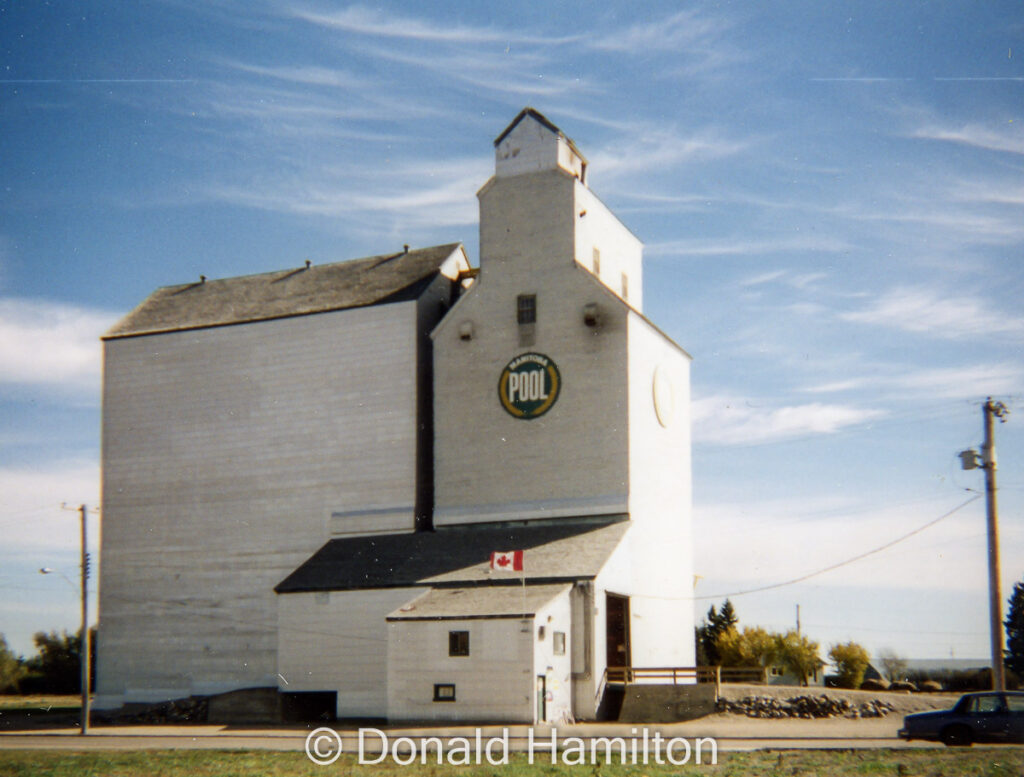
{"points": [[829, 568], [837, 565]]}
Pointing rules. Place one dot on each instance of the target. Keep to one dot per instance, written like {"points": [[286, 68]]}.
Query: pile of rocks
{"points": [[804, 707]]}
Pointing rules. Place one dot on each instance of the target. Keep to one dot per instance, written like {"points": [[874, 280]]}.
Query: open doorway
{"points": [[617, 630]]}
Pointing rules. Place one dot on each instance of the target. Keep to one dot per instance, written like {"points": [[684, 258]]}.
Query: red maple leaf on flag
{"points": [[507, 561]]}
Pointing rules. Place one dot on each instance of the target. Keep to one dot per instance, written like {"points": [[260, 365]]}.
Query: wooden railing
{"points": [[662, 675], [688, 675]]}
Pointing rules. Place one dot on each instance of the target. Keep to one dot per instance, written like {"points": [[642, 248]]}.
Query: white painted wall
{"points": [[660, 501], [225, 451], [531, 147], [621, 252], [556, 669], [493, 683], [572, 461], [497, 681], [337, 641]]}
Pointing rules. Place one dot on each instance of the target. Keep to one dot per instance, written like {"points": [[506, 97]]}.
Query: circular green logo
{"points": [[529, 385]]}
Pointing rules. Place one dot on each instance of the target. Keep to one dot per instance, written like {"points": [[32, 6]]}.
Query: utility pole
{"points": [[969, 459], [992, 410], [798, 620], [85, 650]]}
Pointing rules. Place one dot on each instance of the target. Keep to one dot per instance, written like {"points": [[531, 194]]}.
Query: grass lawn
{"points": [[974, 762], [40, 702]]}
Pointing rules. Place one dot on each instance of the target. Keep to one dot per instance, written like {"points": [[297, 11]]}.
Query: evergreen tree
{"points": [[711, 629], [1015, 631]]}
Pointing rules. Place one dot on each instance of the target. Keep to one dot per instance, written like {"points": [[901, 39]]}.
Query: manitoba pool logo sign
{"points": [[529, 385]]}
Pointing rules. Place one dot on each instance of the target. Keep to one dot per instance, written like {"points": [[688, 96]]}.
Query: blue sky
{"points": [[831, 197]]}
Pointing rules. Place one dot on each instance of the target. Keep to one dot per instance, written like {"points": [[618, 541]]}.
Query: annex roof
{"points": [[554, 551], [293, 292], [479, 602]]}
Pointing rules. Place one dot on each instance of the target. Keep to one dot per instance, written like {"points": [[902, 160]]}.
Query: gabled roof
{"points": [[555, 550], [542, 119], [490, 601], [293, 292]]}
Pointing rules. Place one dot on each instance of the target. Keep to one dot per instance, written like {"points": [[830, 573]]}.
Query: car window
{"points": [[984, 705], [1015, 703]]}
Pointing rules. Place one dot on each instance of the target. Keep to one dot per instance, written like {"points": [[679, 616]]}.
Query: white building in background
{"points": [[305, 472]]}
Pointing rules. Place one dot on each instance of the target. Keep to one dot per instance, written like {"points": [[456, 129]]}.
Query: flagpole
{"points": [[523, 570]]}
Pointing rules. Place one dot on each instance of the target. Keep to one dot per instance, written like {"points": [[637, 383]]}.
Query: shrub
{"points": [[851, 661]]}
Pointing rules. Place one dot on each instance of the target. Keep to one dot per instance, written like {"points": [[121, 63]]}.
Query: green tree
{"points": [[751, 646], [851, 661], [57, 665], [1015, 631], [798, 654], [12, 668]]}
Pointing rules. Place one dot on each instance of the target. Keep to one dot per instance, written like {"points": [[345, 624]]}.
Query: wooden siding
{"points": [[225, 451], [337, 641], [573, 460]]}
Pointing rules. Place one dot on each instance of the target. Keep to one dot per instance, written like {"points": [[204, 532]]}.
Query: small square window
{"points": [[526, 308], [558, 643], [444, 692], [458, 643]]}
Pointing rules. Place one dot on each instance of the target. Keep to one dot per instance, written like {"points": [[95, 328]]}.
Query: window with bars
{"points": [[526, 308], [458, 643]]}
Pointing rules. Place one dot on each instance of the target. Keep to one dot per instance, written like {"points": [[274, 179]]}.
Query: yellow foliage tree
{"points": [[753, 646], [851, 660]]}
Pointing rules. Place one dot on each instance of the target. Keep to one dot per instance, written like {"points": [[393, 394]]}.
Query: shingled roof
{"points": [[562, 550], [292, 292], [479, 602]]}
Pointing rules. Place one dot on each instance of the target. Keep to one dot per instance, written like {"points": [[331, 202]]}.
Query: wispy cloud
{"points": [[1009, 138], [677, 32], [368, 21], [948, 316], [520, 74], [308, 75], [742, 246], [763, 278], [657, 148], [406, 194], [727, 420], [797, 280], [967, 382], [52, 344]]}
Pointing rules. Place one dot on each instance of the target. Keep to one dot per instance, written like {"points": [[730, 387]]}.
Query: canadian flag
{"points": [[507, 560]]}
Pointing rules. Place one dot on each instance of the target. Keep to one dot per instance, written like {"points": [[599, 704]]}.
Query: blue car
{"points": [[991, 716]]}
